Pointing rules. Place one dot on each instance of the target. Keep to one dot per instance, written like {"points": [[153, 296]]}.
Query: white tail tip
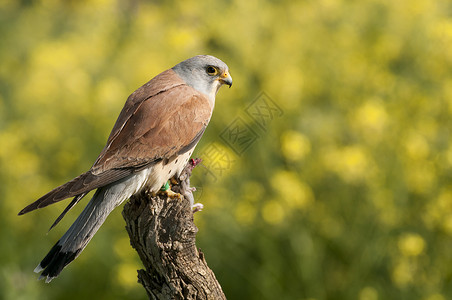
{"points": [[38, 269]]}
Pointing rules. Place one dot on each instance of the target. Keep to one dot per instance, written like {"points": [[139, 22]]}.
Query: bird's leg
{"points": [[173, 195], [181, 186], [166, 190]]}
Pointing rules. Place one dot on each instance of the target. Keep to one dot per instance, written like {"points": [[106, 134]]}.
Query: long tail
{"points": [[82, 231]]}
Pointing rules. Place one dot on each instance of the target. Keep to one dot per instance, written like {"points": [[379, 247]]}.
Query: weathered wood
{"points": [[162, 231]]}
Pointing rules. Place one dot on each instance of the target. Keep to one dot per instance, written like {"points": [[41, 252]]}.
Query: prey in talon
{"points": [[183, 184]]}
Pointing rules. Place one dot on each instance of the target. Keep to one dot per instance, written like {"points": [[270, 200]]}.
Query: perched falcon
{"points": [[151, 141]]}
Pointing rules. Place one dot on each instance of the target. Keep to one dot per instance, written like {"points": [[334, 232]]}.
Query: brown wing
{"points": [[159, 84], [159, 128], [163, 118]]}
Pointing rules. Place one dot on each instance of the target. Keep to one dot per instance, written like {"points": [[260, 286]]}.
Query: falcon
{"points": [[151, 142]]}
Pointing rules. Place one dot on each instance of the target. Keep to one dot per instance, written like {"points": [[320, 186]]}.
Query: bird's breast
{"points": [[157, 175]]}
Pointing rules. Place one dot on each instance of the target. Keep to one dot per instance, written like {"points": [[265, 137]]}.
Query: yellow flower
{"points": [[292, 190], [411, 244], [372, 116], [416, 146], [294, 145], [273, 212], [351, 163], [368, 293]]}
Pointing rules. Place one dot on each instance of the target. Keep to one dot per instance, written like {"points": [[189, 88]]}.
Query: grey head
{"points": [[205, 74]]}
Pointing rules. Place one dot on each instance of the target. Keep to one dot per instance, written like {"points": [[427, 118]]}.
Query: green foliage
{"points": [[346, 195]]}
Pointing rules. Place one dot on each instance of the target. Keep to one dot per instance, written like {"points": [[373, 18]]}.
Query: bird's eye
{"points": [[211, 70]]}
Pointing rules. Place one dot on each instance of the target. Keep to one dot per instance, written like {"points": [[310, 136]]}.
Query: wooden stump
{"points": [[162, 231]]}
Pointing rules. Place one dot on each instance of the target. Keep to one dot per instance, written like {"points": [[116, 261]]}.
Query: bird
{"points": [[151, 142]]}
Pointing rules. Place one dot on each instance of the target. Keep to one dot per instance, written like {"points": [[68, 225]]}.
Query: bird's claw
{"points": [[170, 194], [174, 195]]}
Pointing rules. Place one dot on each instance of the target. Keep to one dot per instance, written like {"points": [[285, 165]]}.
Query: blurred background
{"points": [[327, 166]]}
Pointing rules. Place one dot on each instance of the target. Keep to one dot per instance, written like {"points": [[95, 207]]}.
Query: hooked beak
{"points": [[226, 78]]}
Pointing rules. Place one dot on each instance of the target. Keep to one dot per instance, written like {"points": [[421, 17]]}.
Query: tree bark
{"points": [[162, 231]]}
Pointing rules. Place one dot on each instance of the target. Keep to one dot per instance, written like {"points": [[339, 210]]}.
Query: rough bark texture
{"points": [[162, 231]]}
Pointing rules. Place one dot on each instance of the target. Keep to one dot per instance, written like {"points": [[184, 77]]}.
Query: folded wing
{"points": [[161, 119]]}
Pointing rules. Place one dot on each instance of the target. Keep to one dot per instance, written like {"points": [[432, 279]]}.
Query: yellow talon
{"points": [[170, 194]]}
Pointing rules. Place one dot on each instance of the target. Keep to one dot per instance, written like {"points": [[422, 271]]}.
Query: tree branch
{"points": [[162, 231]]}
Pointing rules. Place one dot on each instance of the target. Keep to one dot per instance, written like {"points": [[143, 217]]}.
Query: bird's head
{"points": [[204, 73]]}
